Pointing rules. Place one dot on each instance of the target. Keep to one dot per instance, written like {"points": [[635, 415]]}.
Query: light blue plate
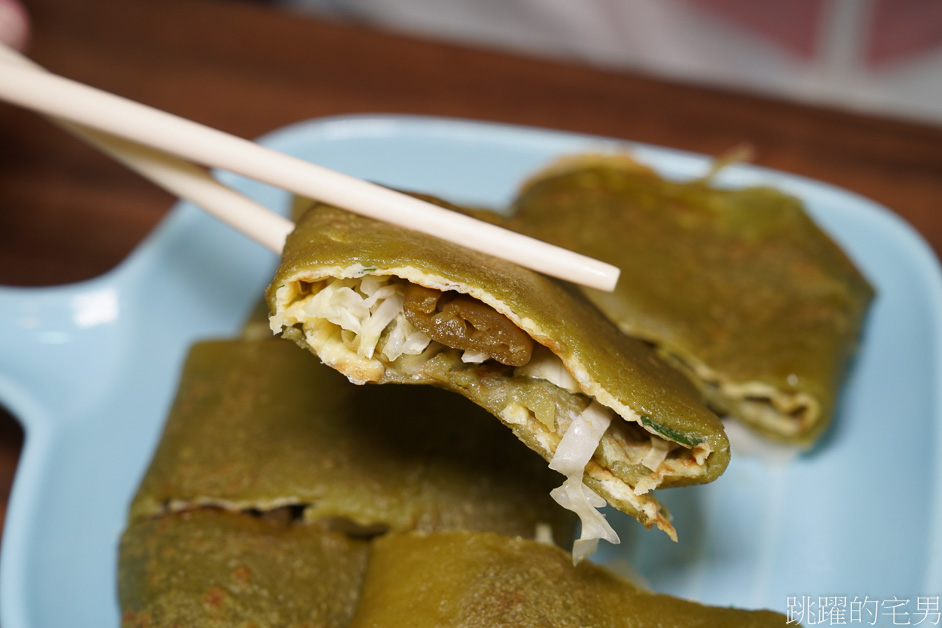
{"points": [[90, 370]]}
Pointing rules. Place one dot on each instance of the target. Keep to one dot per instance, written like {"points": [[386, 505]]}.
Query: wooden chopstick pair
{"points": [[163, 147]]}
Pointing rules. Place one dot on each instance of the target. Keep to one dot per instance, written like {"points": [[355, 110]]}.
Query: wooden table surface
{"points": [[68, 214]]}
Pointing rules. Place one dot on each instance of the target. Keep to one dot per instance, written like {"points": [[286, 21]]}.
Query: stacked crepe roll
{"points": [[273, 474], [282, 495], [737, 288]]}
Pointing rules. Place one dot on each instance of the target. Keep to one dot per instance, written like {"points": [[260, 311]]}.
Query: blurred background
{"points": [[879, 56]]}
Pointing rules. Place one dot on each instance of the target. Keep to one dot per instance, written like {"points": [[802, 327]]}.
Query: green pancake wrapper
{"points": [[351, 289], [467, 580], [273, 472], [210, 567], [738, 288], [258, 425]]}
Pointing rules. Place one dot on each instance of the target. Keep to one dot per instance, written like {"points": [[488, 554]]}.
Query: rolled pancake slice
{"points": [[258, 426], [464, 579], [211, 567], [388, 305], [738, 288]]}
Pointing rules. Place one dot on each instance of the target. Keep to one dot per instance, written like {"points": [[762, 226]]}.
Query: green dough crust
{"points": [[483, 580], [217, 568], [738, 288], [260, 425], [619, 372]]}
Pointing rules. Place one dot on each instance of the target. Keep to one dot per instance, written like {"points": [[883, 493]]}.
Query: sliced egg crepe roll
{"points": [[738, 288], [384, 304], [478, 579]]}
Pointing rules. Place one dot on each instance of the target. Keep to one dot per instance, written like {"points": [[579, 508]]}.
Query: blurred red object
{"points": [[14, 24], [794, 25], [902, 30]]}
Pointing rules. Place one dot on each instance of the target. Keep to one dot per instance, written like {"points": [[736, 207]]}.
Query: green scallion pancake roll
{"points": [[212, 567], [466, 580], [383, 304], [258, 425], [738, 288]]}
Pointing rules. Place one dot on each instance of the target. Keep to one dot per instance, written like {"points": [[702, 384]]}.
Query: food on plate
{"points": [[481, 579], [273, 473], [388, 305], [258, 426], [737, 288], [215, 567]]}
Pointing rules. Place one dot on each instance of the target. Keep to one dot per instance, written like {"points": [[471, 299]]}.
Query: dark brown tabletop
{"points": [[67, 213]]}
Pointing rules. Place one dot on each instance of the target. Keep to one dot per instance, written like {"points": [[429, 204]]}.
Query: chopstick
{"points": [[181, 178], [160, 145]]}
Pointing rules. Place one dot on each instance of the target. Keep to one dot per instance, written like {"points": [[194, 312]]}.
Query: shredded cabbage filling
{"points": [[364, 317], [368, 311], [572, 455]]}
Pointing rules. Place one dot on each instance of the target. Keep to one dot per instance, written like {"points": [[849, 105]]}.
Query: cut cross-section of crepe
{"points": [[388, 305], [467, 579], [738, 288]]}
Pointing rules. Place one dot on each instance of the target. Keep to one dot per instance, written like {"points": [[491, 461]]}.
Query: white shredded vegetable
{"points": [[544, 364], [656, 454], [382, 314], [573, 453], [416, 341], [471, 356], [371, 283], [364, 308]]}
